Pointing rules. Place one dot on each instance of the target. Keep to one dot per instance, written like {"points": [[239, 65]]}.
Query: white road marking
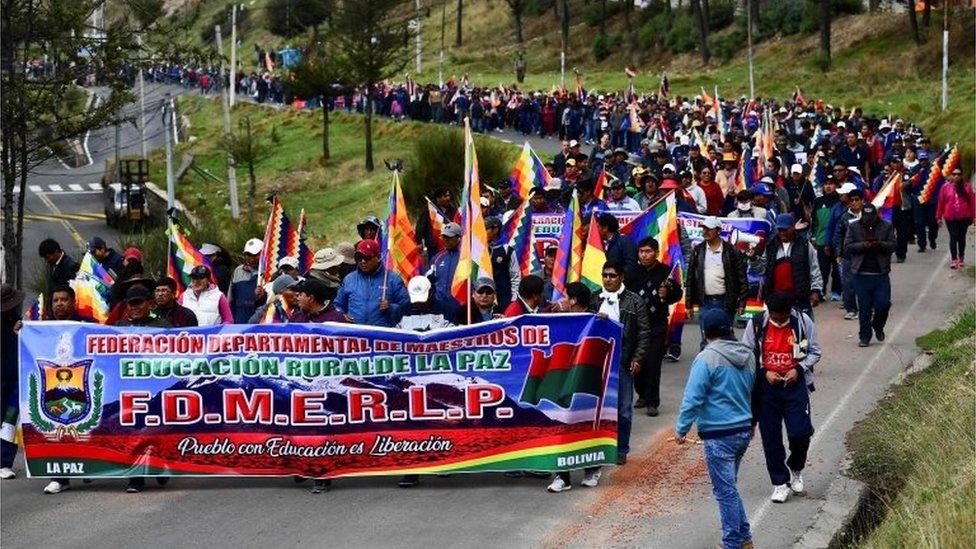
{"points": [[856, 387], [95, 186], [35, 188], [75, 187], [55, 188]]}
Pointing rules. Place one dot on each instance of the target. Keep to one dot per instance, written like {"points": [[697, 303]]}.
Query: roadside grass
{"points": [[916, 450]]}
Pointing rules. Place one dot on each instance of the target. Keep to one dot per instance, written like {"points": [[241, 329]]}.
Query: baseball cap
{"points": [[289, 261], [419, 289], [668, 166], [762, 188], [369, 247], [209, 249], [316, 289], [132, 253], [711, 222], [282, 283], [137, 292], [923, 155], [571, 162], [326, 258], [869, 210], [796, 168], [768, 181], [200, 271], [616, 184], [554, 184], [715, 319], [253, 246], [484, 282], [449, 230], [784, 221], [573, 143], [96, 242], [846, 188]]}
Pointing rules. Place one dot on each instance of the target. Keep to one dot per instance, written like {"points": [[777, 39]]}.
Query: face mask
{"points": [[744, 206]]}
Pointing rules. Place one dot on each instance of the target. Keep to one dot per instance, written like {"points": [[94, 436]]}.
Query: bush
{"points": [[289, 18], [682, 35], [605, 46], [223, 18], [535, 8], [724, 46], [438, 161], [721, 14], [591, 12], [652, 32]]}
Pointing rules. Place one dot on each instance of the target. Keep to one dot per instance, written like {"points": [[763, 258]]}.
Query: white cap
{"points": [[419, 289], [289, 261], [253, 246], [846, 188], [767, 180], [484, 201], [854, 169], [669, 166], [683, 140], [209, 249], [796, 168], [573, 143], [841, 124], [884, 124], [711, 222]]}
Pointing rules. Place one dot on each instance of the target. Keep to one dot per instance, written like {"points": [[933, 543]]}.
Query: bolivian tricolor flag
{"points": [[568, 370], [594, 257]]}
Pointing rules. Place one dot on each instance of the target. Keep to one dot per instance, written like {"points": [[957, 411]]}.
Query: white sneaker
{"points": [[796, 483], [850, 316], [590, 480], [55, 487], [6, 473], [781, 493], [559, 485]]}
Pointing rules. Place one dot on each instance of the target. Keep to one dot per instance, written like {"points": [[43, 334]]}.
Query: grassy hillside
{"points": [[915, 450]]}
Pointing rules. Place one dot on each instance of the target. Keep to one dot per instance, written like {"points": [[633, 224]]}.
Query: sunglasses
{"points": [[485, 291], [361, 257], [611, 275]]}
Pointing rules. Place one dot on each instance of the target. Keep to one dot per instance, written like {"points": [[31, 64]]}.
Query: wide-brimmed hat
{"points": [[10, 297]]}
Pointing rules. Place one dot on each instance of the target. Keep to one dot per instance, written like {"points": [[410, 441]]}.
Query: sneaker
{"points": [[781, 493], [921, 250], [954, 264], [321, 485], [55, 487], [796, 483], [899, 260], [590, 480], [932, 244], [558, 485], [135, 485], [835, 297], [641, 403], [652, 411], [409, 481], [879, 334], [6, 473], [851, 315], [863, 343]]}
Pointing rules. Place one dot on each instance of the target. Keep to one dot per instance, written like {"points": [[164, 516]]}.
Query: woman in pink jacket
{"points": [[956, 207]]}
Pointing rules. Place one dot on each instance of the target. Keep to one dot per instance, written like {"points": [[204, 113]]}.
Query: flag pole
{"points": [[606, 375]]}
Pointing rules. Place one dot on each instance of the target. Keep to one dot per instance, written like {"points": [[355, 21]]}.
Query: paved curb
{"points": [[841, 505]]}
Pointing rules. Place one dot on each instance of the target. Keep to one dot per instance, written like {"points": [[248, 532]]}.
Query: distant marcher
{"points": [[869, 243], [205, 300], [167, 307], [242, 294]]}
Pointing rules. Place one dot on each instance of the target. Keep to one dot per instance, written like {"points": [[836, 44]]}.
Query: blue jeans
{"points": [[874, 297], [847, 280], [722, 456], [707, 304], [625, 409]]}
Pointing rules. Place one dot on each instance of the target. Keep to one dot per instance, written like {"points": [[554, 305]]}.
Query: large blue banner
{"points": [[322, 400]]}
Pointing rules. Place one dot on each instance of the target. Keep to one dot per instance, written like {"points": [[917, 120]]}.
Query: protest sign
{"points": [[319, 400]]}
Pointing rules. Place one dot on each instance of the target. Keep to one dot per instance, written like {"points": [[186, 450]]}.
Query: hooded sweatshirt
{"points": [[718, 396]]}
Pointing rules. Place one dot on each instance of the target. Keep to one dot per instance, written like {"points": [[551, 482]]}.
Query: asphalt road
{"points": [[66, 203], [660, 499]]}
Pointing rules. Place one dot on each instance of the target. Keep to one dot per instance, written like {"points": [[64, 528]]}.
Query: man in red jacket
{"points": [[529, 297]]}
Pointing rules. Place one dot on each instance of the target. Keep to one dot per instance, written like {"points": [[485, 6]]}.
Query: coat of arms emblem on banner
{"points": [[66, 401]]}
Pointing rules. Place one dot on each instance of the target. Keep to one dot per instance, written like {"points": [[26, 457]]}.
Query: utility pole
{"points": [[235, 211], [142, 110], [752, 82], [418, 37], [562, 69], [945, 55], [440, 62], [170, 183], [233, 56], [118, 152]]}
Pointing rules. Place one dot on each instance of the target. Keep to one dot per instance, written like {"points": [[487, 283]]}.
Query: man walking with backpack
{"points": [[786, 347]]}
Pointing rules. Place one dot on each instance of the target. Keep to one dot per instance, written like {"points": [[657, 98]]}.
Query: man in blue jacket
{"points": [[718, 397], [362, 297]]}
